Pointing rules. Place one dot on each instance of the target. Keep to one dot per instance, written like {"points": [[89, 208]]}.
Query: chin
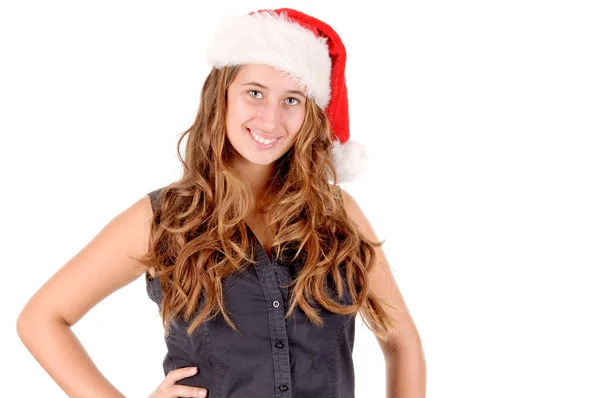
{"points": [[262, 160]]}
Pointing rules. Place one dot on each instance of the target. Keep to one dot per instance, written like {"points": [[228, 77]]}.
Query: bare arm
{"points": [[99, 269], [405, 372], [404, 357]]}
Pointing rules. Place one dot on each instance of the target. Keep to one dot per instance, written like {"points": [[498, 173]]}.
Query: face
{"points": [[265, 111]]}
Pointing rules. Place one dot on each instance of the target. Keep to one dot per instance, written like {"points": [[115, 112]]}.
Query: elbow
{"points": [[26, 323], [403, 344], [23, 326], [30, 324], [408, 353]]}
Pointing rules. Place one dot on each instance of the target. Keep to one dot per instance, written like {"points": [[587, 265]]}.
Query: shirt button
{"points": [[279, 344], [283, 387], [275, 303]]}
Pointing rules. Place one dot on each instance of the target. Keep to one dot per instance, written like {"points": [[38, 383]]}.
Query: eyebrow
{"points": [[267, 88]]}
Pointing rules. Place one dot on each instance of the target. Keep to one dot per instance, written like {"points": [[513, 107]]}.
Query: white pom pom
{"points": [[350, 160]]}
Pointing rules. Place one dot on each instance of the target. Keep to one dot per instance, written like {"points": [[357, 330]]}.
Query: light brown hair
{"points": [[199, 237]]}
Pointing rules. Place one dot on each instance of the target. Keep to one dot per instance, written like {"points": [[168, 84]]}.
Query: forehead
{"points": [[268, 76]]}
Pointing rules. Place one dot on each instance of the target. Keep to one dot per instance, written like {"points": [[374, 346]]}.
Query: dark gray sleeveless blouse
{"points": [[273, 357]]}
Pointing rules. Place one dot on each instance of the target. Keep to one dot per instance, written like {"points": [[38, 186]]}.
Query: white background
{"points": [[482, 120]]}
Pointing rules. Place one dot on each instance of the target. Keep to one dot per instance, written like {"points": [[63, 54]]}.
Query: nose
{"points": [[269, 115]]}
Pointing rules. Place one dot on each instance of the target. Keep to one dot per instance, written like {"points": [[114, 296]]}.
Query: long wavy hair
{"points": [[198, 234]]}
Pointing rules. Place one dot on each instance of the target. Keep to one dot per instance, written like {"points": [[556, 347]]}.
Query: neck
{"points": [[257, 176]]}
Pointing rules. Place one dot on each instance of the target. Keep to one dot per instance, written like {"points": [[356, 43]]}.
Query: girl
{"points": [[257, 260]]}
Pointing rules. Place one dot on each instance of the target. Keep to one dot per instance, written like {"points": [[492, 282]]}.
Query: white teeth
{"points": [[262, 140]]}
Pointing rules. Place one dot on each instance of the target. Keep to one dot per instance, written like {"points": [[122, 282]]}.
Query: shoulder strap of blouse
{"points": [[154, 199]]}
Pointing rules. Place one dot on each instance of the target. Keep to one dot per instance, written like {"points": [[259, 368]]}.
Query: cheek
{"points": [[295, 123], [233, 116], [238, 112], [228, 123]]}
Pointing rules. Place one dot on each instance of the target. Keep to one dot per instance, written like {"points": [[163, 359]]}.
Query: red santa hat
{"points": [[308, 50]]}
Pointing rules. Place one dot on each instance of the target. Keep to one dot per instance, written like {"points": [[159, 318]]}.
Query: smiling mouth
{"points": [[262, 140]]}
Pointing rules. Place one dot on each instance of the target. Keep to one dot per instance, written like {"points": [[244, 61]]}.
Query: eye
{"points": [[294, 101], [255, 94]]}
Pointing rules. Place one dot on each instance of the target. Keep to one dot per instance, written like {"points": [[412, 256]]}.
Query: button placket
{"points": [[277, 323], [279, 334]]}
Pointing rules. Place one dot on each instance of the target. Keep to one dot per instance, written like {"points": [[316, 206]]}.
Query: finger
{"points": [[185, 392], [177, 374]]}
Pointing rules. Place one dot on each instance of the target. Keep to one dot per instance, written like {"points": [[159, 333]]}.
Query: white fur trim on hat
{"points": [[268, 38], [350, 160]]}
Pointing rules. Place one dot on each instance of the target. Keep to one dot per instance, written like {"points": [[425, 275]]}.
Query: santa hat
{"points": [[308, 50]]}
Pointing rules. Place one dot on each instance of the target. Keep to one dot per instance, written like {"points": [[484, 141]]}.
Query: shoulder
{"points": [[348, 199], [107, 263], [358, 217], [352, 208]]}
